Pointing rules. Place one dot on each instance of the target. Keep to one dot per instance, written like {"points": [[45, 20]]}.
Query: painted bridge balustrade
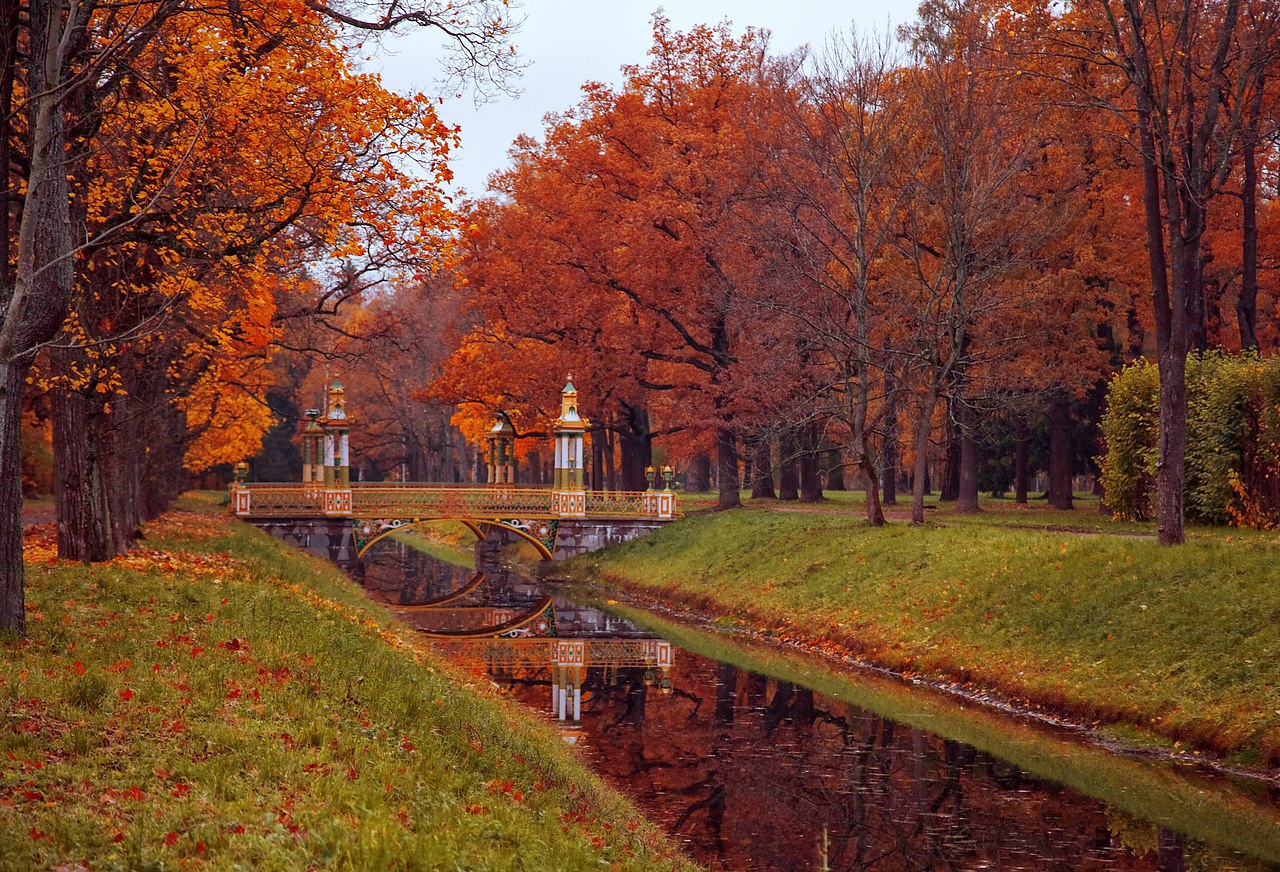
{"points": [[370, 499]]}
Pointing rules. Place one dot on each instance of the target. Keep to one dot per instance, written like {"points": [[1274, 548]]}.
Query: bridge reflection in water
{"points": [[501, 622], [751, 771]]}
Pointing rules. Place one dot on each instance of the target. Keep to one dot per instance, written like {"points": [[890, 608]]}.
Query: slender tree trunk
{"points": [[1247, 304], [9, 11], [1172, 339], [919, 482], [762, 482], [889, 465], [810, 482], [597, 460], [727, 469], [788, 480], [835, 470], [889, 451], [1021, 444], [610, 466], [949, 490], [1060, 496], [967, 498], [867, 467]]}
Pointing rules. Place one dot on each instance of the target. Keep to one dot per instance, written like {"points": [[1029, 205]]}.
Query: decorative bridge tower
{"points": [[502, 451], [337, 453], [313, 456], [568, 493]]}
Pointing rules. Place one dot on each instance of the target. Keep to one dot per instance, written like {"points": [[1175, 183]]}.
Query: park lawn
{"points": [[1181, 645], [218, 700]]}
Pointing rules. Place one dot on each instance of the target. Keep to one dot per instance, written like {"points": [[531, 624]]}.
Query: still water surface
{"points": [[755, 761]]}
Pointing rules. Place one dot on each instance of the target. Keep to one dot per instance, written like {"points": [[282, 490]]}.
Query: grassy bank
{"points": [[217, 700], [1182, 644]]}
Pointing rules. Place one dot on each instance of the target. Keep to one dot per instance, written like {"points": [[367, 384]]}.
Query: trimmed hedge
{"points": [[1233, 440]]}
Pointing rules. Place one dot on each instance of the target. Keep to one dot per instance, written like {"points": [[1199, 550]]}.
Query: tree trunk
{"points": [[13, 615], [967, 498], [84, 517], [1021, 444], [762, 481], [1060, 495], [123, 477], [610, 467], [919, 482], [810, 482], [727, 469], [597, 460], [949, 490], [889, 465], [699, 478], [33, 307], [835, 470], [875, 514], [788, 480], [637, 447], [1247, 303]]}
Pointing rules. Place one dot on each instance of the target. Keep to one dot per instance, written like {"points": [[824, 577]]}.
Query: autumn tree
{"points": [[1178, 74], [633, 224], [150, 184], [847, 183]]}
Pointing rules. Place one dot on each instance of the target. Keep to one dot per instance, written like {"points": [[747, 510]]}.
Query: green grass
{"points": [[1215, 812], [218, 700], [1182, 642]]}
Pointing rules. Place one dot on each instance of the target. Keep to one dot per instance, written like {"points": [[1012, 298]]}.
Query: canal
{"points": [[754, 758]]}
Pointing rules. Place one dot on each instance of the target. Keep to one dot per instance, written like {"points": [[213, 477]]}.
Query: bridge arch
{"points": [[475, 525]]}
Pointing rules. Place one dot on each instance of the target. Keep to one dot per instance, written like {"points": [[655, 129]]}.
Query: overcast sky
{"points": [[569, 42]]}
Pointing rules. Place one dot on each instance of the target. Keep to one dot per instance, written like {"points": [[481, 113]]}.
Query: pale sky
{"points": [[570, 42]]}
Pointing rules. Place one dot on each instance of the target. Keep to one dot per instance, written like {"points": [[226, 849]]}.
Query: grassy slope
{"points": [[254, 710], [1181, 642]]}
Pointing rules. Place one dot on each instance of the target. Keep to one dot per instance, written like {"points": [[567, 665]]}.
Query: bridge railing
{"points": [[458, 502], [620, 504], [409, 500], [283, 500]]}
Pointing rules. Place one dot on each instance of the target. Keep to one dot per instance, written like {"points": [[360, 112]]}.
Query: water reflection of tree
{"points": [[778, 762]]}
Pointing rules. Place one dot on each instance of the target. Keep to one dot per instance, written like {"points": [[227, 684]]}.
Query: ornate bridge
{"points": [[539, 515]]}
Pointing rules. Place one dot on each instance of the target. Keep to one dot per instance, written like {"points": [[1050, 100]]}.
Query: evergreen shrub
{"points": [[1233, 440]]}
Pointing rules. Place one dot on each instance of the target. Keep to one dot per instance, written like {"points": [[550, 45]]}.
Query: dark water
{"points": [[758, 771]]}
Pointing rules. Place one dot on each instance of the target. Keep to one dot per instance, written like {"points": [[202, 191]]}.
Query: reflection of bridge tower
{"points": [[502, 451], [568, 495], [337, 457]]}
